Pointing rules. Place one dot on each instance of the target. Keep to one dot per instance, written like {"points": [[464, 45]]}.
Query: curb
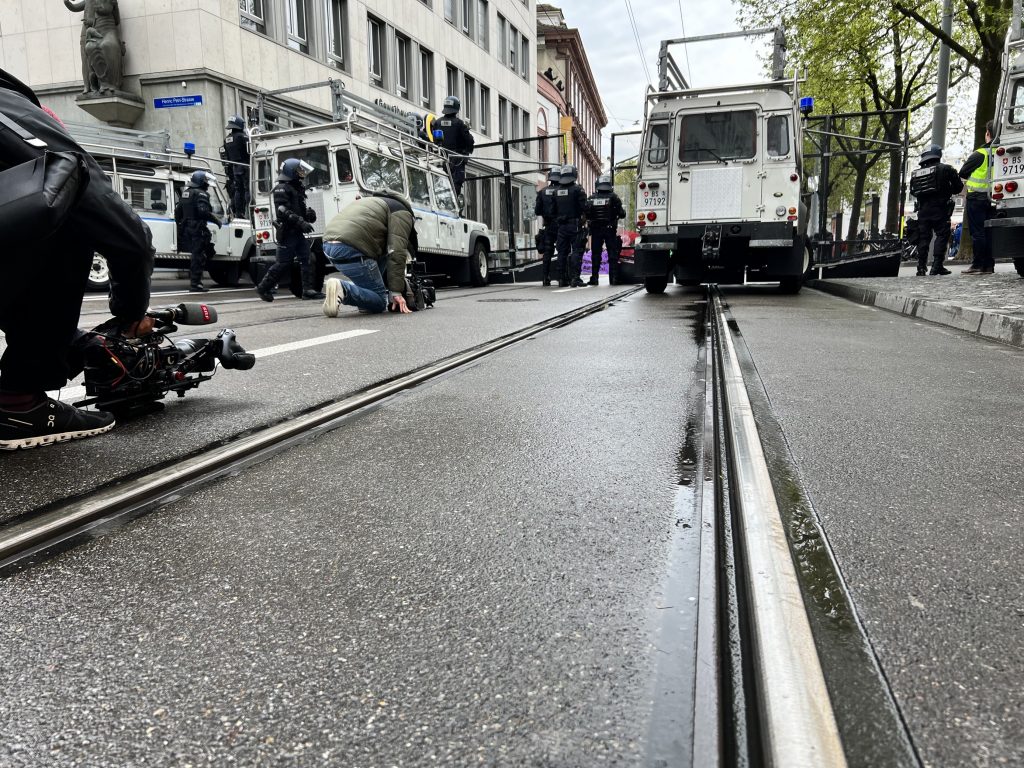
{"points": [[981, 322]]}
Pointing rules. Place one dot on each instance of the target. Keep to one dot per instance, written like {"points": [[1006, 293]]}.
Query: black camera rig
{"points": [[128, 377]]}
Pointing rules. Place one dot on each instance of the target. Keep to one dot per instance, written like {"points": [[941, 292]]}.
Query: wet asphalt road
{"points": [[908, 435], [471, 573]]}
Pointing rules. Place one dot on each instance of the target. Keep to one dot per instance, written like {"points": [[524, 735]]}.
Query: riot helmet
{"points": [[235, 122], [451, 105], [201, 180], [604, 183], [934, 152], [554, 174], [569, 174], [293, 168]]}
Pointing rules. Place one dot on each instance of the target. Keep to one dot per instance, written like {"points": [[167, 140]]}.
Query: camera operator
{"points": [[44, 282], [370, 236]]}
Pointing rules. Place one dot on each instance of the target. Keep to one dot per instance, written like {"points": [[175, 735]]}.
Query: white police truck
{"points": [[150, 177], [719, 180], [366, 148]]}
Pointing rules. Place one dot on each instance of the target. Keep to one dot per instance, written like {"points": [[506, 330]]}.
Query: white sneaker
{"points": [[334, 294]]}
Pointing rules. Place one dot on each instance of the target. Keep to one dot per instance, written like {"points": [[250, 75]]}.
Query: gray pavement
{"points": [[473, 573], [991, 306]]}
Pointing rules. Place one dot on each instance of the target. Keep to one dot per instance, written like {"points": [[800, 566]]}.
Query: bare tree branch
{"points": [[953, 44]]}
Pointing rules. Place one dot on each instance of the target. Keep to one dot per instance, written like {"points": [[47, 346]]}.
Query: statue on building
{"points": [[102, 48]]}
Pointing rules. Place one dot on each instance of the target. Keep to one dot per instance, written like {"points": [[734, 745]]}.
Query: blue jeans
{"points": [[366, 289]]}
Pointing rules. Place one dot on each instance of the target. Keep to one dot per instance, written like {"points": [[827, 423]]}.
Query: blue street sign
{"points": [[178, 101]]}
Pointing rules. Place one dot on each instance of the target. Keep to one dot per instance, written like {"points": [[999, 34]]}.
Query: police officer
{"points": [[192, 213], [548, 233], [456, 138], [933, 184], [570, 209], [604, 209], [236, 150], [977, 207], [294, 221]]}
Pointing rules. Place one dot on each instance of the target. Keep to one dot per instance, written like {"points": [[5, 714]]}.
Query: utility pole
{"points": [[940, 114]]}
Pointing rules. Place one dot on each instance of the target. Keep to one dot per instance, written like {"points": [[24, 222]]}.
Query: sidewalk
{"points": [[991, 306]]}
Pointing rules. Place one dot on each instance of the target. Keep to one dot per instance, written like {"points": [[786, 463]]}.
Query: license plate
{"points": [[1013, 166], [653, 198], [262, 216]]}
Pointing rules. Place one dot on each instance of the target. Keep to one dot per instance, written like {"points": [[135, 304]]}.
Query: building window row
{"points": [[513, 48], [472, 17], [318, 28], [475, 98]]}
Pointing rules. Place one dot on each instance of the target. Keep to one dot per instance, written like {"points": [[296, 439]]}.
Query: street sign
{"points": [[178, 101]]}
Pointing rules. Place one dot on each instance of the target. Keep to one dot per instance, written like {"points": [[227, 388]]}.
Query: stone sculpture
{"points": [[102, 48]]}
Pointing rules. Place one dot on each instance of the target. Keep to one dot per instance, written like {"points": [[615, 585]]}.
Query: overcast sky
{"points": [[614, 53]]}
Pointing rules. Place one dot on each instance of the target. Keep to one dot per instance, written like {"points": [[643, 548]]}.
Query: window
{"points": [[502, 38], [469, 99], [252, 15], [147, 196], [295, 23], [402, 45], [1016, 116], [524, 56], [263, 179], [472, 199], [718, 136], [467, 17], [485, 109], [320, 176], [513, 132], [657, 145], [483, 25], [513, 44], [343, 160], [452, 80], [449, 11], [380, 172], [517, 207], [503, 117], [419, 187], [337, 31], [375, 51], [426, 78], [487, 202], [778, 136], [527, 148], [443, 194]]}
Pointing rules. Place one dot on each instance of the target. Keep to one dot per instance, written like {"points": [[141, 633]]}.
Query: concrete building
{"points": [[193, 63], [568, 99]]}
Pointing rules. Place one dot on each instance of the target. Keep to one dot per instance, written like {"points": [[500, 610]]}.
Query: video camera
{"points": [[128, 377], [419, 291]]}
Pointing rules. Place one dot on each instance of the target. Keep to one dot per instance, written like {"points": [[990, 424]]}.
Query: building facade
{"points": [[193, 63], [568, 101]]}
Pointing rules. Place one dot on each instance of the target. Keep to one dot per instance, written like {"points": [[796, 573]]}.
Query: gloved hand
{"points": [[310, 215], [306, 228]]}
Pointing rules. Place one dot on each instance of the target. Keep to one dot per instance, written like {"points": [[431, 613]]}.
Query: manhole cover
{"points": [[504, 300]]}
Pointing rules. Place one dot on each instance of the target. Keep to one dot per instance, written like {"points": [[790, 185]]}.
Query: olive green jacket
{"points": [[377, 226]]}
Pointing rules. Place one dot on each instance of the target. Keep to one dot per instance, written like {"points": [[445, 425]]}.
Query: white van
{"points": [[1006, 169]]}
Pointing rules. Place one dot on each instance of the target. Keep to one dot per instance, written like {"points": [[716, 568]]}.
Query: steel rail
{"points": [[797, 723], [69, 519]]}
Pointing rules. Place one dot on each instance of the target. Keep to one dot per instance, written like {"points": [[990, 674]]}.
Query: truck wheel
{"points": [[791, 284], [1019, 266], [225, 274], [655, 284], [99, 274], [478, 270]]}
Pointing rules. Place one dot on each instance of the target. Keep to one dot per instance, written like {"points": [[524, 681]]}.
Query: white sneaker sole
{"points": [[331, 302], [59, 437]]}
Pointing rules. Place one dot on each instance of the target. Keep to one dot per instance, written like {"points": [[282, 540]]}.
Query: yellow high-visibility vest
{"points": [[978, 182]]}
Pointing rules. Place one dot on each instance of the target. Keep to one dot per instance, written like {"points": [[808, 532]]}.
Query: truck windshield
{"points": [[320, 176], [718, 136], [380, 172]]}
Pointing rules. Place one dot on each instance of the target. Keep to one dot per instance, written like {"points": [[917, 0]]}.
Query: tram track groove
{"points": [[35, 533]]}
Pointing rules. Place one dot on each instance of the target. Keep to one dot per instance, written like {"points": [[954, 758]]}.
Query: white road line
{"points": [[75, 393], [198, 296], [565, 290]]}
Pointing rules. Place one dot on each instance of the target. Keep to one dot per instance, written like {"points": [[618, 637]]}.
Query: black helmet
{"points": [[604, 183], [933, 152], [293, 168], [554, 174], [201, 179], [569, 175], [451, 106], [235, 121]]}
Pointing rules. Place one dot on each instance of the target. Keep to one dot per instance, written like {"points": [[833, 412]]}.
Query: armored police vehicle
{"points": [[719, 180], [1006, 166], [367, 148], [150, 178]]}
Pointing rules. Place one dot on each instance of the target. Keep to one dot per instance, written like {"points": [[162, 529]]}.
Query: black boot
{"points": [[308, 291], [265, 290]]}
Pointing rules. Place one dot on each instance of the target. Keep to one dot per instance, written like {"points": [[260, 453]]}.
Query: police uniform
{"points": [[548, 233], [192, 213], [978, 208], [570, 208], [456, 138], [236, 150], [604, 209], [933, 184], [294, 219]]}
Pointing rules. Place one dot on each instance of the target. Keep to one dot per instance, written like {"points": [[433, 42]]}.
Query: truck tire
{"points": [[1019, 266], [478, 269], [99, 274], [655, 284], [225, 274], [791, 285]]}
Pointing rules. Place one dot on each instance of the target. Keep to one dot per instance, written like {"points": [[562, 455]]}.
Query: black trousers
{"points": [[201, 242], [546, 239], [458, 171], [240, 195], [605, 237], [567, 245], [977, 210], [291, 247], [40, 301], [932, 219]]}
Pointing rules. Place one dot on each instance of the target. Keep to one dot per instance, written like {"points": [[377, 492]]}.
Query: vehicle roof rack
{"points": [[155, 145], [670, 77]]}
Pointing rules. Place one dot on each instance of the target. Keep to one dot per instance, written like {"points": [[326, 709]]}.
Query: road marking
{"points": [[214, 291], [565, 290], [75, 393]]}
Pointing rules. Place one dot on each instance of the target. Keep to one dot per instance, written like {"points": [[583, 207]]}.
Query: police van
{"points": [[366, 148], [1006, 168], [150, 178], [719, 180]]}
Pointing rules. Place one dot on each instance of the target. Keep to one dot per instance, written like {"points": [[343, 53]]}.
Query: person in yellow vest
{"points": [[978, 208]]}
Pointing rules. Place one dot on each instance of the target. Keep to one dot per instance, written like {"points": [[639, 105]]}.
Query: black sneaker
{"points": [[939, 271], [546, 283], [310, 295], [593, 281], [267, 294], [198, 288], [921, 273], [50, 422]]}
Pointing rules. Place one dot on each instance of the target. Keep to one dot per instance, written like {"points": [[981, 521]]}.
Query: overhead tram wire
{"points": [[636, 36]]}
